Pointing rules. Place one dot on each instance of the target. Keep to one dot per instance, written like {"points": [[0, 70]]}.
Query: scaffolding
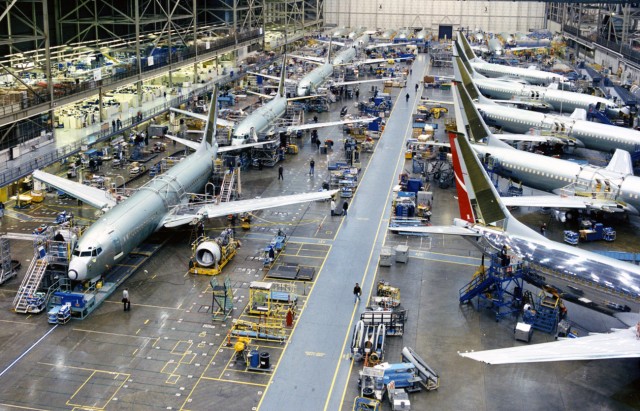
{"points": [[222, 303]]}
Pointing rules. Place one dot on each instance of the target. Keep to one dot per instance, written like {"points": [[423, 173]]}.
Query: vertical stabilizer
{"points": [[468, 51], [462, 74], [461, 176], [210, 128], [487, 205], [465, 60], [283, 76]]}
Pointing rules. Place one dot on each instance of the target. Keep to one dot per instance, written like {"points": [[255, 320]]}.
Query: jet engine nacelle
{"points": [[208, 254], [563, 216]]}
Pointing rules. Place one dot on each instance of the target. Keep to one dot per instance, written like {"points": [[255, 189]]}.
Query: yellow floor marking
{"points": [[21, 407], [234, 381], [172, 379]]}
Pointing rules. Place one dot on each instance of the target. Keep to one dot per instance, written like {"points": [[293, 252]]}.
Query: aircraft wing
{"points": [[288, 80], [346, 83], [378, 45], [433, 229], [203, 117], [319, 60], [241, 146], [191, 144], [93, 196], [382, 60], [241, 206], [617, 344], [521, 137], [310, 126], [549, 201]]}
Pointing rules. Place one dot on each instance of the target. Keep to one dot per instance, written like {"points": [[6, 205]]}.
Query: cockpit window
{"points": [[76, 252], [85, 254], [99, 249]]}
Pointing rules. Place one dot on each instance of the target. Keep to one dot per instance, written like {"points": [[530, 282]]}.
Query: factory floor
{"points": [[167, 353]]}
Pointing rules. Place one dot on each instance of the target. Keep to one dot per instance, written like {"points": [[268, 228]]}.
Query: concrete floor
{"points": [[166, 353]]}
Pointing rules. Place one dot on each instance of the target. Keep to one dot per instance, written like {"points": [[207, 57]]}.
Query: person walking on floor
{"points": [[417, 87], [312, 165], [357, 292], [543, 229], [125, 300], [280, 173], [345, 207], [407, 96]]}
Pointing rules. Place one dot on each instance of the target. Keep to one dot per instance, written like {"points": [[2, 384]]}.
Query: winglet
{"points": [[210, 128], [621, 162], [283, 75]]}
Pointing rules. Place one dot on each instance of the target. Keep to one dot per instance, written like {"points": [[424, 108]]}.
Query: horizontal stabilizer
{"points": [[621, 162], [203, 117], [191, 144], [617, 344], [95, 197], [242, 206]]}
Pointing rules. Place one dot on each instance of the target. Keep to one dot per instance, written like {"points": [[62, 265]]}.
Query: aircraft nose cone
{"points": [[77, 272]]}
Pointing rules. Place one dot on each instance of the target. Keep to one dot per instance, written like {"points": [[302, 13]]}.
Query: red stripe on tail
{"points": [[466, 212]]}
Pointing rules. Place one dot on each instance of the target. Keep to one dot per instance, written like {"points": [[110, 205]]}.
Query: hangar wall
{"points": [[493, 16]]}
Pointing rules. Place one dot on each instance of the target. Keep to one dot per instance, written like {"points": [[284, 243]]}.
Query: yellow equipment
{"points": [[211, 255]]}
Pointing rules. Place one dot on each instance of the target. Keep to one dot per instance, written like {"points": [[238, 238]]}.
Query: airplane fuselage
{"points": [[310, 82], [560, 100], [553, 174], [536, 77], [129, 223], [259, 120], [595, 136], [561, 258]]}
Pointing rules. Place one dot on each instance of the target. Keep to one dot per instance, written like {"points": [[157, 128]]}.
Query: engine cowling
{"points": [[208, 254]]}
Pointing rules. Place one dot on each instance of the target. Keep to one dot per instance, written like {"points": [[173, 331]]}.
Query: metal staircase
{"points": [[230, 182], [500, 286], [24, 299]]}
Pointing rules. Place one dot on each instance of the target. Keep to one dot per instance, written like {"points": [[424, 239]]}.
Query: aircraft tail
{"points": [[461, 73], [283, 75], [468, 52], [474, 126], [210, 128], [484, 200]]}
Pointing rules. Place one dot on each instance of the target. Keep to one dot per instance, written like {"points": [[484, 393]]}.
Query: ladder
{"points": [[30, 285], [228, 188]]}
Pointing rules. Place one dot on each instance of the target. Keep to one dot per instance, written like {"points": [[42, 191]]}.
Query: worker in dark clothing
{"points": [[417, 87], [345, 207], [280, 173], [357, 292], [543, 229], [312, 165], [272, 254], [407, 97]]}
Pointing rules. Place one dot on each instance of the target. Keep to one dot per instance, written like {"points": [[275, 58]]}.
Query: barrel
{"points": [[264, 360], [255, 359]]}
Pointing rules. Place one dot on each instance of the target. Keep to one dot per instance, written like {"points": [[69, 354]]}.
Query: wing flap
{"points": [[93, 196]]}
